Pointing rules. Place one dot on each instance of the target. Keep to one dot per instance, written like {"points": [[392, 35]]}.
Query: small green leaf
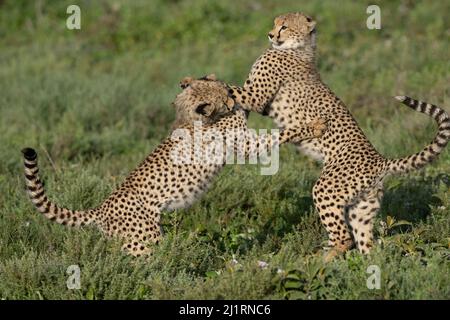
{"points": [[290, 284], [401, 223], [293, 276], [390, 221], [211, 274], [90, 294], [296, 295]]}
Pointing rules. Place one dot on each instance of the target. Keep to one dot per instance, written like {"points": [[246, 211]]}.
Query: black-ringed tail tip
{"points": [[29, 153], [38, 197]]}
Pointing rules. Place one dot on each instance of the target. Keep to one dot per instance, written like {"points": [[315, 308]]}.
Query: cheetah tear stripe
{"points": [[432, 150]]}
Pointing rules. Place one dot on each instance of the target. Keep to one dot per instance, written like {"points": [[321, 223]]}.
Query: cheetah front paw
{"points": [[331, 254], [338, 250], [319, 126]]}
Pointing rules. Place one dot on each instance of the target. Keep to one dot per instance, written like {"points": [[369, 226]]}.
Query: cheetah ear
{"points": [[205, 109], [211, 77], [186, 82], [311, 25]]}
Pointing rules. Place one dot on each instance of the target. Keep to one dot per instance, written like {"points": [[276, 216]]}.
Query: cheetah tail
{"points": [[432, 150], [35, 190]]}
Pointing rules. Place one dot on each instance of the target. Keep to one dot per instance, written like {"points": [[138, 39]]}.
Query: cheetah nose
{"points": [[270, 35]]}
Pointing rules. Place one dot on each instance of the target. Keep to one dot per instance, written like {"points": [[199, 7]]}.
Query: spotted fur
{"points": [[132, 212], [285, 85]]}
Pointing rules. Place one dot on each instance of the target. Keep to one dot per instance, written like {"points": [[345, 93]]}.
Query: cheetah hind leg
{"points": [[337, 248], [146, 230], [138, 245], [361, 216], [339, 236], [136, 249], [332, 216]]}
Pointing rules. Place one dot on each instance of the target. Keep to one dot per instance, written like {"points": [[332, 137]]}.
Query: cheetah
{"points": [[285, 84], [132, 212]]}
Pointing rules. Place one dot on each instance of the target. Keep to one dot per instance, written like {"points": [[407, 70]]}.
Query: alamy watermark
{"points": [[374, 20], [374, 280], [73, 22], [234, 146], [74, 280]]}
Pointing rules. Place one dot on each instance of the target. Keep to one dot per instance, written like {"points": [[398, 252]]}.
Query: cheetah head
{"points": [[293, 31], [205, 99]]}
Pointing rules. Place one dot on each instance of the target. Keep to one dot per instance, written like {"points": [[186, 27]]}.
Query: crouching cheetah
{"points": [[162, 181], [285, 85]]}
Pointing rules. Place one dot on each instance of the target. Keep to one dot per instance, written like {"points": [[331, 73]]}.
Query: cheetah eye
{"points": [[308, 19], [283, 27], [201, 108]]}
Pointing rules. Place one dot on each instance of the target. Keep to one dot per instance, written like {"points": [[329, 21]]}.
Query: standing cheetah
{"points": [[132, 212], [285, 84]]}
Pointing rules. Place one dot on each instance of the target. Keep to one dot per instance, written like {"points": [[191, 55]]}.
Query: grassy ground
{"points": [[95, 101]]}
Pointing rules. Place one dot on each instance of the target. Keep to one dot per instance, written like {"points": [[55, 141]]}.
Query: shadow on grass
{"points": [[411, 199], [282, 222], [407, 199]]}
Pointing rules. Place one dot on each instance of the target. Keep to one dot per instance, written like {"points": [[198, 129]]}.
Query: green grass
{"points": [[94, 102]]}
